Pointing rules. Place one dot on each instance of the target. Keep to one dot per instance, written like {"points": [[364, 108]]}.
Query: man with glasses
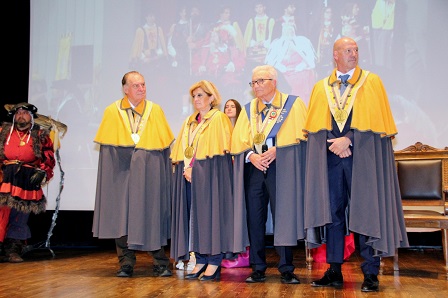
{"points": [[268, 136]]}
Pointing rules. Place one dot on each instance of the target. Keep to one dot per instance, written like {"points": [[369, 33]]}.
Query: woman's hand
{"points": [[187, 174]]}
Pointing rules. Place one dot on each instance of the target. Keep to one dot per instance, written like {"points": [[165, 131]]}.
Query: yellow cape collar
{"points": [[276, 103], [139, 109], [333, 78]]}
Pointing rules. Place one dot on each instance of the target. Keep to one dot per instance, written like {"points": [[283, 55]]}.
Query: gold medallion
{"points": [[22, 143], [340, 116], [259, 138], [189, 152]]}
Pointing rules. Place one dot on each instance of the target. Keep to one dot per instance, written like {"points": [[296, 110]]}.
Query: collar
{"points": [[354, 76], [276, 102], [194, 116], [139, 109], [350, 73]]}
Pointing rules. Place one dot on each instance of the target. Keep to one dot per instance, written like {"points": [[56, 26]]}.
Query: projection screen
{"points": [[79, 51]]}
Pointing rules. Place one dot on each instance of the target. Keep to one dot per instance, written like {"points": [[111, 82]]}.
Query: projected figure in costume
{"points": [[383, 23], [258, 35], [287, 18], [149, 53], [149, 46], [222, 57], [185, 38], [27, 157], [294, 57], [325, 41], [351, 26]]}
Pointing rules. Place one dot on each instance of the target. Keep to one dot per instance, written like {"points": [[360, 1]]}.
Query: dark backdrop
{"points": [[16, 32]]}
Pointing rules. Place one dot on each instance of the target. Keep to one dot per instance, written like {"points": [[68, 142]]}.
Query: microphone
{"points": [[264, 148]]}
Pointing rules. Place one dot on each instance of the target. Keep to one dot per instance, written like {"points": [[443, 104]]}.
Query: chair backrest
{"points": [[423, 176]]}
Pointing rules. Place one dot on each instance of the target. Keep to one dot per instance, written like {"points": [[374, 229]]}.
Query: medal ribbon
{"points": [[137, 125], [265, 126], [134, 120], [190, 138], [341, 106]]}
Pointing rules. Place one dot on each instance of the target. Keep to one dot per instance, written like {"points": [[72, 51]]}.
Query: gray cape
{"points": [[215, 223], [133, 196], [375, 208]]}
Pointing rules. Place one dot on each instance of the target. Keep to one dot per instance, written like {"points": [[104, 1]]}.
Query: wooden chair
{"points": [[423, 178]]}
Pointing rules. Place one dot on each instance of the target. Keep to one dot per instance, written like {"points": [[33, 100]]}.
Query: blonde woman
{"points": [[202, 208]]}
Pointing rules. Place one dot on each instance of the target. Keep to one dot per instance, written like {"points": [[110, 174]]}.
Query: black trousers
{"points": [[126, 256], [340, 178], [260, 192]]}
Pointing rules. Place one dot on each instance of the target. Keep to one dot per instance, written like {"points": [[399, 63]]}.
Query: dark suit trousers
{"points": [[260, 191], [126, 256], [340, 180]]}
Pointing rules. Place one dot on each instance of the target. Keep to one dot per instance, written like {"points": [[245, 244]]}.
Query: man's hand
{"points": [[262, 161], [340, 146]]}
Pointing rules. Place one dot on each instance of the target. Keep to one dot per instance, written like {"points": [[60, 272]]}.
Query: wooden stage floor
{"points": [[88, 272]]}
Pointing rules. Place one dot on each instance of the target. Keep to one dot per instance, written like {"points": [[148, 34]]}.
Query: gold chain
{"points": [[22, 142]]}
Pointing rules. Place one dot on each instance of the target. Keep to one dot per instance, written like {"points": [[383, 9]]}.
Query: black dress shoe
{"points": [[256, 276], [125, 271], [370, 284], [161, 271], [331, 278], [197, 274], [289, 278], [214, 276]]}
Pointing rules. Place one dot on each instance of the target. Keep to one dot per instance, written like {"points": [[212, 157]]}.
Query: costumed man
{"points": [[222, 58], [149, 44], [27, 157], [258, 34], [351, 179], [269, 162], [133, 188], [294, 57]]}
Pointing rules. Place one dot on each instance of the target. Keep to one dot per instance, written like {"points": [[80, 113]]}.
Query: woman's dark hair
{"points": [[237, 105]]}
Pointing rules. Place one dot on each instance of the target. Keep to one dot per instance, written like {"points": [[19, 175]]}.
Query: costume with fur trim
{"points": [[19, 164]]}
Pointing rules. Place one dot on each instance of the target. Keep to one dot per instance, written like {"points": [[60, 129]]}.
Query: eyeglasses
{"points": [[259, 82]]}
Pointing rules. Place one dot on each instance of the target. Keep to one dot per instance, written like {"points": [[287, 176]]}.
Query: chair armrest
{"points": [[445, 196]]}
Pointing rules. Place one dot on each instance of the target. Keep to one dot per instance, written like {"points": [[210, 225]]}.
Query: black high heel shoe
{"points": [[197, 274], [214, 276]]}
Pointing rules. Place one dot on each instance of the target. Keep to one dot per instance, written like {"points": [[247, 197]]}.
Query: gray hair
{"points": [[266, 68]]}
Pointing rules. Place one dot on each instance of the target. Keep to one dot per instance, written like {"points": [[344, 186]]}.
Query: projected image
{"points": [[81, 49]]}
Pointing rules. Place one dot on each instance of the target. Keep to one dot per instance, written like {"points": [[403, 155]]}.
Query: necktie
{"points": [[344, 83], [266, 109]]}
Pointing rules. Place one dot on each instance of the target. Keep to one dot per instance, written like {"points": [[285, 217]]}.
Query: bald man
{"points": [[351, 181]]}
